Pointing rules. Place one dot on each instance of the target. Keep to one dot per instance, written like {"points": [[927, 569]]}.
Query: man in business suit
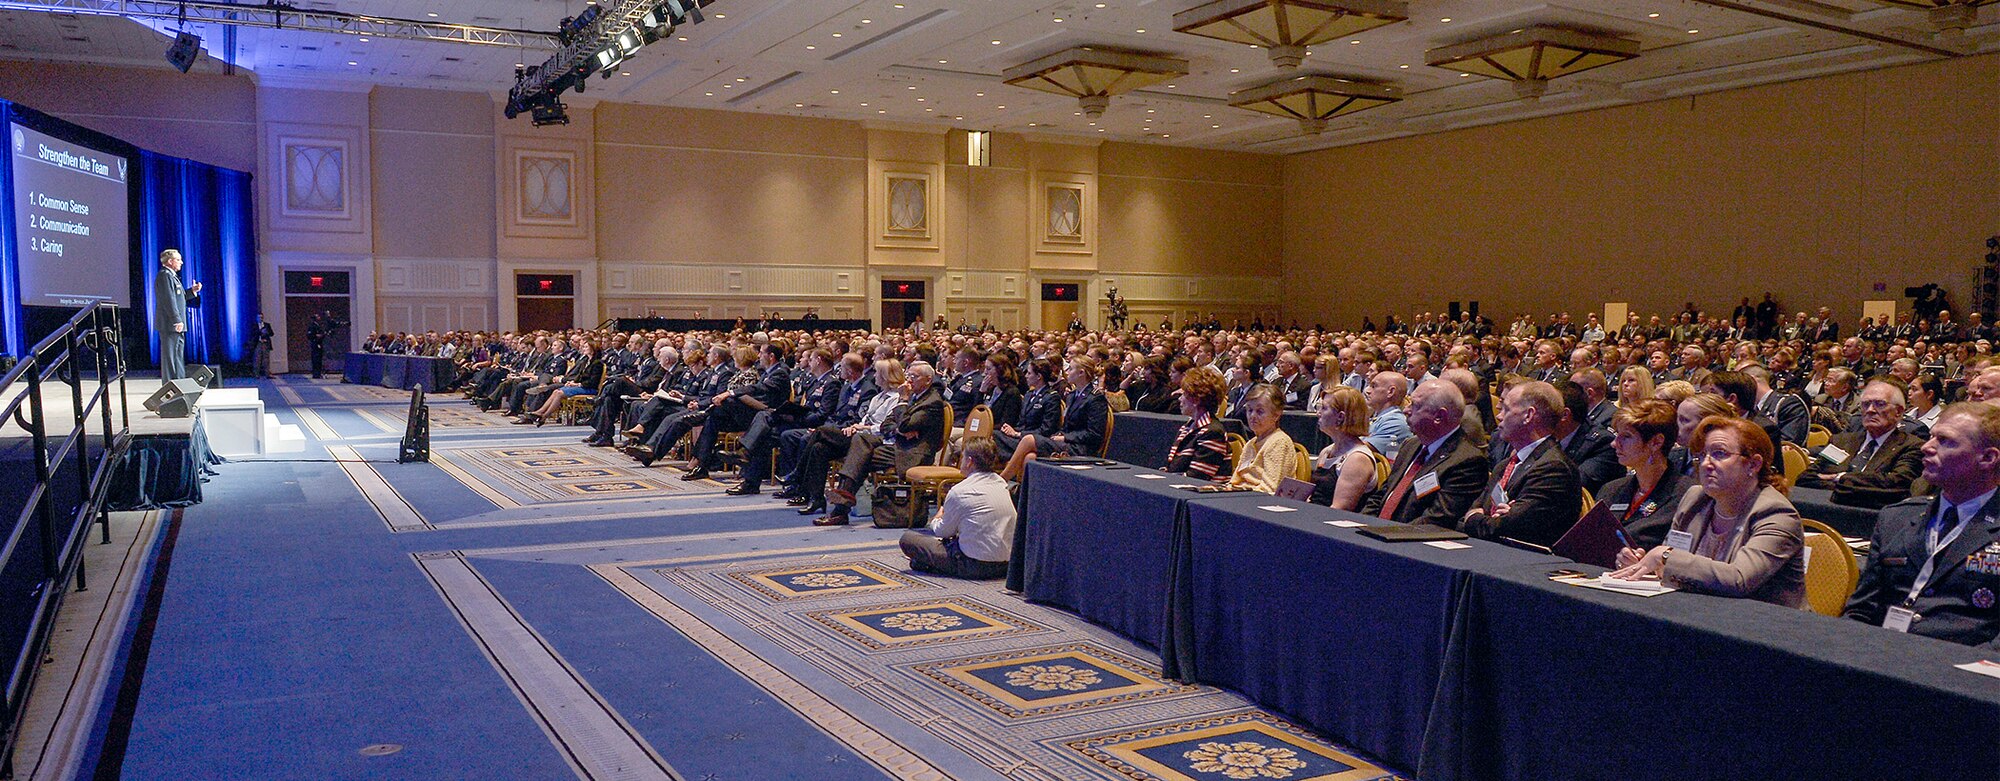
{"points": [[1440, 470], [661, 369], [1934, 565], [1598, 395], [818, 396], [917, 436], [170, 317], [1587, 446], [1872, 467], [1741, 392], [1787, 410], [857, 388], [1534, 495], [734, 409]]}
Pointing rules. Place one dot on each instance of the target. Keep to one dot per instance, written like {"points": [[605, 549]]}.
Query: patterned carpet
{"points": [[561, 472], [1031, 692]]}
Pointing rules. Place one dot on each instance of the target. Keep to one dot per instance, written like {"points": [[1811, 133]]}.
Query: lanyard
{"points": [[1932, 546], [1639, 499]]}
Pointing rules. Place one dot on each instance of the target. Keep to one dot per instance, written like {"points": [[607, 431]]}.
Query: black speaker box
{"points": [[207, 376], [175, 399]]}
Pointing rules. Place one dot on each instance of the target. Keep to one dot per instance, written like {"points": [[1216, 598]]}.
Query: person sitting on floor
{"points": [[972, 535]]}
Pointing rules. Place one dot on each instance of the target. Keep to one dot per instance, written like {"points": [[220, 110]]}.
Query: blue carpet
{"points": [[295, 630]]}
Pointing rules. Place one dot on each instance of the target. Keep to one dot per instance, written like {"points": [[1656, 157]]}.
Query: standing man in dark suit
{"points": [[260, 348], [1934, 564], [1534, 495], [316, 331], [1439, 471], [1875, 466], [170, 316]]}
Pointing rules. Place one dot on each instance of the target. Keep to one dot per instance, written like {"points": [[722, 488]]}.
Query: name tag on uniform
{"points": [[1425, 485], [1680, 539], [1833, 455], [1621, 507], [1899, 619]]}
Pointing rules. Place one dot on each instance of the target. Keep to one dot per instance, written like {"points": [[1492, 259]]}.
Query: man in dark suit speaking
{"points": [[170, 305]]}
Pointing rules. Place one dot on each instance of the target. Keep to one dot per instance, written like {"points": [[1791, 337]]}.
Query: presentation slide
{"points": [[70, 220]]}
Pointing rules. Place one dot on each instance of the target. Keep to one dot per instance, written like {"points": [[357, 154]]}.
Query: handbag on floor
{"points": [[897, 506]]}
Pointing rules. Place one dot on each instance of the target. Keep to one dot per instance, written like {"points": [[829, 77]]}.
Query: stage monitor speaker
{"points": [[207, 376], [175, 399]]}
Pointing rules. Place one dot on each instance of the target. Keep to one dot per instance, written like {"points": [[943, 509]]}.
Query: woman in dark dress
{"points": [[1002, 389], [1041, 408]]}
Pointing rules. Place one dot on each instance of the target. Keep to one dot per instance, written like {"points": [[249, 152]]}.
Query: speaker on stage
{"points": [[207, 376], [175, 399]]}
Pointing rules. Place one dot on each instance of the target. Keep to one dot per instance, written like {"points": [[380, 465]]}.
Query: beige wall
{"points": [[1818, 190], [209, 118]]}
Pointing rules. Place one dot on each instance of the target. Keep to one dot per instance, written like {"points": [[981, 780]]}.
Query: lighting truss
{"points": [[281, 16]]}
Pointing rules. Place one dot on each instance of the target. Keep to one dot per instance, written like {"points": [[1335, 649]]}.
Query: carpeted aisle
{"points": [[572, 616]]}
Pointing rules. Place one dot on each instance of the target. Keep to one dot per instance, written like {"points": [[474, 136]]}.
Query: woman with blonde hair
{"points": [[1269, 457], [1635, 384], [1348, 468]]}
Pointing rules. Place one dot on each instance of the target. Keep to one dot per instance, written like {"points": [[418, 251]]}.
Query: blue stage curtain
{"points": [[13, 331], [205, 212]]}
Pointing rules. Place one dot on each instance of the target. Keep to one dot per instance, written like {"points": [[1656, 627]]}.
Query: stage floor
{"points": [[60, 415]]}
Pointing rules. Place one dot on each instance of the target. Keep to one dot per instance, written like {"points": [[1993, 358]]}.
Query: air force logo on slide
{"points": [[20, 141]]}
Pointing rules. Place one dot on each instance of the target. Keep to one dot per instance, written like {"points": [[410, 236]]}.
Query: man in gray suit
{"points": [[170, 305]]}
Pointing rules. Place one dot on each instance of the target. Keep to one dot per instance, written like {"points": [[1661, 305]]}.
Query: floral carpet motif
{"points": [[1022, 691], [559, 473]]}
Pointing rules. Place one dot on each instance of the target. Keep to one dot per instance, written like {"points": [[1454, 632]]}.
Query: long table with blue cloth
{"points": [[1470, 663], [401, 372]]}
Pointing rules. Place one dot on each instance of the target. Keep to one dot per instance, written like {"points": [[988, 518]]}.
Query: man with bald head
{"points": [[1534, 494], [1440, 469], [1387, 423], [1985, 386]]}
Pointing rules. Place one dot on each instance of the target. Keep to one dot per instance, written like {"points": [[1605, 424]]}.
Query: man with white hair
{"points": [[170, 317], [1440, 470], [1875, 466]]}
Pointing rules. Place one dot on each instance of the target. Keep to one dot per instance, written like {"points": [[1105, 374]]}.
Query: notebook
{"points": [[1421, 532], [1294, 488], [1593, 540]]}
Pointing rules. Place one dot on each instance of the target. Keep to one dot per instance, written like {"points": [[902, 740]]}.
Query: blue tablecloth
{"points": [[1817, 504], [1096, 541], [1143, 438], [1547, 680], [1343, 632], [162, 471], [401, 372]]}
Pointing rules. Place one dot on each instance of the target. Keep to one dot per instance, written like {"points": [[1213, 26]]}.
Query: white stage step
{"points": [[282, 437]]}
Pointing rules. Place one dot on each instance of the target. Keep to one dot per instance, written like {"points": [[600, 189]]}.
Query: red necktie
{"points": [[1403, 487], [1506, 475]]}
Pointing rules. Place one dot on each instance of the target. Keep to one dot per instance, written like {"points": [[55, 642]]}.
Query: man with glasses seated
{"points": [[1875, 466]]}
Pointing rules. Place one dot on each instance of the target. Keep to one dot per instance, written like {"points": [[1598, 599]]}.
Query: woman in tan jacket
{"points": [[1734, 535]]}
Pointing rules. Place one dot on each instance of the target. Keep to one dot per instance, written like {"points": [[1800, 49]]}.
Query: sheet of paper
{"points": [[1185, 485], [1983, 667], [1642, 588], [1277, 508], [1151, 477], [1076, 466], [1447, 545], [1346, 524]]}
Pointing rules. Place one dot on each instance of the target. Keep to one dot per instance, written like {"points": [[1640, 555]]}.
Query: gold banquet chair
{"points": [[1817, 436], [939, 478], [1831, 572]]}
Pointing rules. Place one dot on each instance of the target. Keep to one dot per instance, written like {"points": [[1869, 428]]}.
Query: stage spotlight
{"points": [[185, 51], [550, 111], [629, 43]]}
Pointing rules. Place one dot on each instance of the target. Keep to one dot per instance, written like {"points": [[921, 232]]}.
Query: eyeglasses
{"points": [[1721, 455]]}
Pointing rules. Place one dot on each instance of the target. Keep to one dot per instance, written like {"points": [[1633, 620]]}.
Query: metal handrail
{"points": [[61, 539]]}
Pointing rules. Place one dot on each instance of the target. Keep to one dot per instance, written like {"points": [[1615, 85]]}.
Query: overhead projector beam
{"points": [[279, 16]]}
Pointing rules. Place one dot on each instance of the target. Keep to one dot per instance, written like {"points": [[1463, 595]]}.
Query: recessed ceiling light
{"points": [[1141, 31], [1151, 111], [1694, 32], [682, 38], [1215, 126], [979, 94], [1170, 86], [363, 39], [996, 43], [1166, 135], [881, 111], [1235, 70], [913, 86], [867, 21], [1100, 130], [1093, 124], [920, 100], [798, 105], [1207, 116], [810, 47], [1031, 124], [1003, 108], [722, 16], [836, 35], [1465, 75], [941, 62], [1100, 5], [899, 5], [520, 65], [834, 91], [1404, 67], [864, 105], [1353, 42], [741, 79], [432, 15], [729, 86], [624, 73], [710, 94], [1058, 20], [930, 109], [1446, 20], [351, 62], [1654, 15]]}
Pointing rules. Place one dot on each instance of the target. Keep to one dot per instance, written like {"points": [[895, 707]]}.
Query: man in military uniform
{"points": [[1935, 562]]}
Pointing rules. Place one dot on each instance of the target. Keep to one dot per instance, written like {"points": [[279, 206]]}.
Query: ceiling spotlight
{"points": [[186, 50]]}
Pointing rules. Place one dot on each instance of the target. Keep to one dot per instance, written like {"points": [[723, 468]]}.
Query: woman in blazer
{"points": [[1083, 418], [1001, 389], [1644, 501], [1041, 408], [1201, 449], [1735, 535]]}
